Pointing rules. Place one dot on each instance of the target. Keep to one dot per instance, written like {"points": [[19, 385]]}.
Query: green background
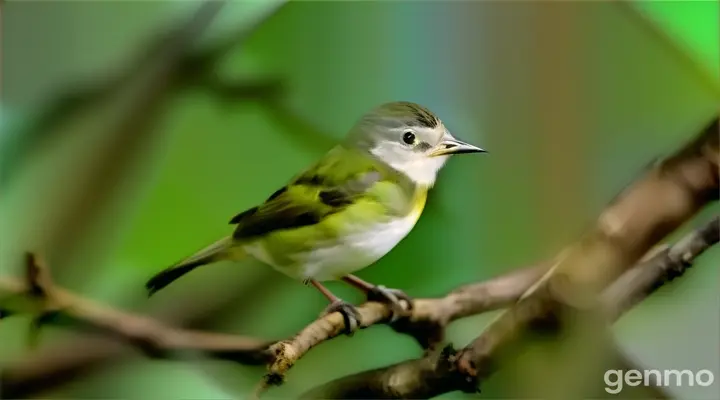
{"points": [[571, 99]]}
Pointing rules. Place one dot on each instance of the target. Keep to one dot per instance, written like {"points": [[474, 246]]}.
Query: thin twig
{"points": [[149, 334], [670, 263]]}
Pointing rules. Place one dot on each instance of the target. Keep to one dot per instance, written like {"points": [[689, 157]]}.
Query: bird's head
{"points": [[409, 138]]}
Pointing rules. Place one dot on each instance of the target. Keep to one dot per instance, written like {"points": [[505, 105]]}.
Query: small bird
{"points": [[346, 211]]}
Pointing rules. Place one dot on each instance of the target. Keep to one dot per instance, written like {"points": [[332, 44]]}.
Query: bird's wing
{"points": [[339, 180]]}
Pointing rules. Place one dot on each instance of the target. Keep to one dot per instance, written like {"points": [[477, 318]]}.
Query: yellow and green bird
{"points": [[346, 211]]}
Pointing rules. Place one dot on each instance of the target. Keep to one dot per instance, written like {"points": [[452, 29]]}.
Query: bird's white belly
{"points": [[342, 256]]}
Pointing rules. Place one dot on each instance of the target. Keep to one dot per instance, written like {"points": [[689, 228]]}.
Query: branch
{"points": [[655, 205], [638, 283], [438, 373], [153, 337], [130, 125], [51, 304], [426, 321]]}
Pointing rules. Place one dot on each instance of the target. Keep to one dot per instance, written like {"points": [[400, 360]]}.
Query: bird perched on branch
{"points": [[346, 211]]}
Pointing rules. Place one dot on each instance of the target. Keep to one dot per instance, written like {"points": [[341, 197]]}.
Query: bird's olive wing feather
{"points": [[336, 182]]}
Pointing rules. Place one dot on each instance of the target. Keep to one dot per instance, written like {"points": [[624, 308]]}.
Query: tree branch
{"points": [[52, 304], [638, 283], [426, 322], [438, 373], [128, 129], [152, 336], [655, 205]]}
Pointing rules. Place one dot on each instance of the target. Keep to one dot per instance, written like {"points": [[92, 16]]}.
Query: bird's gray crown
{"points": [[389, 117], [403, 113]]}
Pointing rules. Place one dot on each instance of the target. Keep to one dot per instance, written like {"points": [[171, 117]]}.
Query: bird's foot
{"points": [[350, 315], [399, 301]]}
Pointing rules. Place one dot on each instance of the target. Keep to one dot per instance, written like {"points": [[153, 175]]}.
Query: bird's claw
{"points": [[349, 312], [398, 300]]}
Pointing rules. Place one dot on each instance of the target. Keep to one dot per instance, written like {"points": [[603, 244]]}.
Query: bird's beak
{"points": [[450, 145]]}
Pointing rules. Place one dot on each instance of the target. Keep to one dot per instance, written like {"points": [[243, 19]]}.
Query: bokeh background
{"points": [[572, 100]]}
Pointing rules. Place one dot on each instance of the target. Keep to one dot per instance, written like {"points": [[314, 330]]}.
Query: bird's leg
{"points": [[398, 300], [350, 314]]}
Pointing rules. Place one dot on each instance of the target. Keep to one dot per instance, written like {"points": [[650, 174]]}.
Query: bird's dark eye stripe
{"points": [[422, 147], [409, 137]]}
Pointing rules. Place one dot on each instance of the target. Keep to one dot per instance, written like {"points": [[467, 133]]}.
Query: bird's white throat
{"points": [[421, 169]]}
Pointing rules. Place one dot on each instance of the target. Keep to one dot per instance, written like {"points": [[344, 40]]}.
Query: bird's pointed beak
{"points": [[449, 145]]}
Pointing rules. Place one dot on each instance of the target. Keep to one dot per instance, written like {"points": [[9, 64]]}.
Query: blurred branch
{"points": [[104, 337], [659, 202], [139, 109], [152, 336], [195, 70], [190, 69], [305, 133], [51, 304], [439, 372], [638, 283]]}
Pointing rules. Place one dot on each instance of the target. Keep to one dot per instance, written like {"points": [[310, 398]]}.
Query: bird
{"points": [[344, 212]]}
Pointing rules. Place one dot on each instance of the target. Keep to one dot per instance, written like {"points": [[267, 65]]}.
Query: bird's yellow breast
{"points": [[418, 202]]}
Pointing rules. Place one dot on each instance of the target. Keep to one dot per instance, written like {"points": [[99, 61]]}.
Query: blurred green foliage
{"points": [[572, 101]]}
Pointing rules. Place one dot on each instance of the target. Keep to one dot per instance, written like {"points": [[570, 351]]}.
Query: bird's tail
{"points": [[215, 252]]}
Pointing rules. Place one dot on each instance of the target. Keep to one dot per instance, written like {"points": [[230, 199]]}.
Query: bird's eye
{"points": [[408, 137]]}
